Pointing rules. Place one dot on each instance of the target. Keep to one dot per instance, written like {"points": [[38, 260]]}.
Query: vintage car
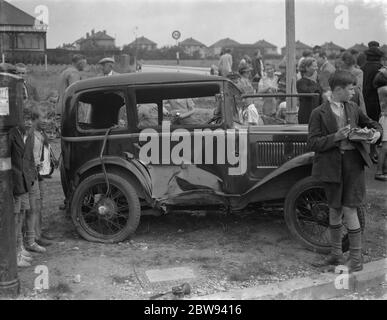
{"points": [[127, 150]]}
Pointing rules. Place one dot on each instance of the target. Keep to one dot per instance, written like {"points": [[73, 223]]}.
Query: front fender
{"points": [[133, 166], [277, 184], [301, 160]]}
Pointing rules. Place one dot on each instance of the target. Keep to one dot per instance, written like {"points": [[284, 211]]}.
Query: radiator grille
{"points": [[274, 154]]}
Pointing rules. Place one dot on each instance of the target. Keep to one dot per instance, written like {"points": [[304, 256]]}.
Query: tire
{"points": [[308, 196], [98, 217]]}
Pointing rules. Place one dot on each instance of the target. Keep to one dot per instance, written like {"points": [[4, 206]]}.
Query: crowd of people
{"points": [[314, 70]]}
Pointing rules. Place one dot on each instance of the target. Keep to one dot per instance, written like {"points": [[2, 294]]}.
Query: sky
{"points": [[345, 22]]}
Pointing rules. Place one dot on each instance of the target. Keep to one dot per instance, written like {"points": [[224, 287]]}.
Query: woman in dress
{"points": [[308, 84]]}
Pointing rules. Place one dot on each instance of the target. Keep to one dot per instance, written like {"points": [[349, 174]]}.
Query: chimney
{"points": [[92, 32], [104, 32], [87, 35]]}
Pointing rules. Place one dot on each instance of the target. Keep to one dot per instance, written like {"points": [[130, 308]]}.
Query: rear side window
{"points": [[99, 110]]}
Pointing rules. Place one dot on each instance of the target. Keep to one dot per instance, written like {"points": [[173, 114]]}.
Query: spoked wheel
{"points": [[103, 217], [307, 216]]}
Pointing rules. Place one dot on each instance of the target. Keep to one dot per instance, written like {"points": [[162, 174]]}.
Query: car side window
{"points": [[184, 105], [101, 110]]}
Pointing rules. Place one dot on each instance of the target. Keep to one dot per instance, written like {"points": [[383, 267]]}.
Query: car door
{"points": [[187, 159]]}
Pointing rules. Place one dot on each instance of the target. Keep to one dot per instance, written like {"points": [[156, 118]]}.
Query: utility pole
{"points": [[291, 102], [136, 48], [11, 113]]}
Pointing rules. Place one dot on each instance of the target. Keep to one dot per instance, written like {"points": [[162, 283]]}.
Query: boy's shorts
{"points": [[26, 201], [34, 194], [21, 202], [350, 192]]}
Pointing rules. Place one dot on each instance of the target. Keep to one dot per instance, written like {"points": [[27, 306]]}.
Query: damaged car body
{"points": [[156, 142]]}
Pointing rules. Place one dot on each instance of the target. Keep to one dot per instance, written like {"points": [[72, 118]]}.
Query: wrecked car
{"points": [[146, 143]]}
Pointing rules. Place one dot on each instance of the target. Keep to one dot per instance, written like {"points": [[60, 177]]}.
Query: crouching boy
{"points": [[339, 164]]}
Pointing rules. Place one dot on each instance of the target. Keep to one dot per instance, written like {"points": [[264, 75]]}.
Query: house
{"points": [[359, 47], [266, 48], [22, 36], [190, 46], [332, 49], [95, 40], [300, 48], [216, 48], [143, 44]]}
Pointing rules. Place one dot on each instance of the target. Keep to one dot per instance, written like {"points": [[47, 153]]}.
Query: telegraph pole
{"points": [[10, 114], [291, 102]]}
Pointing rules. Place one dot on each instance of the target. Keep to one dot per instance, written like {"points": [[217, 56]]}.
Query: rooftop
{"points": [[224, 43], [12, 16], [191, 42]]}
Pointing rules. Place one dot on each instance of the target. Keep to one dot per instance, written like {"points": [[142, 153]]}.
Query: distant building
{"points": [[95, 40], [300, 48], [216, 48], [331, 49], [143, 43], [22, 37], [359, 47], [266, 48], [190, 46]]}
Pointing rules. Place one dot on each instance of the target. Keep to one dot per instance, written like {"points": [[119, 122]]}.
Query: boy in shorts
{"points": [[339, 164], [23, 174]]}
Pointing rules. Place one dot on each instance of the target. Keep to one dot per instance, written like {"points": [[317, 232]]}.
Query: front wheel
{"points": [[307, 216], [102, 217]]}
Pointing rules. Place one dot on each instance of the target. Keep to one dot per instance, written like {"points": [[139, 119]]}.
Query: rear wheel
{"points": [[307, 216], [102, 217]]}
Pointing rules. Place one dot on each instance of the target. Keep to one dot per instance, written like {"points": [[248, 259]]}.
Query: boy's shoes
{"points": [[354, 266], [381, 177], [44, 242], [25, 253], [331, 260], [22, 262], [35, 248]]}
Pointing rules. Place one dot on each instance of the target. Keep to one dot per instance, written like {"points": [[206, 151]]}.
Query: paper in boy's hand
{"points": [[361, 134]]}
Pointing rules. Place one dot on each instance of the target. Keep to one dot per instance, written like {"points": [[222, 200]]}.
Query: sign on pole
{"points": [[176, 35]]}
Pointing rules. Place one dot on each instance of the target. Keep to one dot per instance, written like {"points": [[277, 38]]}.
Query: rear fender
{"points": [[132, 167]]}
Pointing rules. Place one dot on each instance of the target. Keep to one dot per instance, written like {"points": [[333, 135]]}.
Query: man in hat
{"points": [[370, 93], [362, 58], [244, 83], [107, 65], [69, 76], [29, 90]]}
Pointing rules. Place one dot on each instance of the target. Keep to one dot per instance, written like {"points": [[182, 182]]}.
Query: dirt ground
{"points": [[225, 252]]}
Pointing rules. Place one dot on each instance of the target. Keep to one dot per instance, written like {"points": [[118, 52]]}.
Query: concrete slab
{"points": [[323, 286], [170, 274]]}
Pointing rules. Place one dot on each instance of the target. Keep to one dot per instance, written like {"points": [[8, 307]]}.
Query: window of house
{"points": [[28, 41], [182, 105], [100, 110]]}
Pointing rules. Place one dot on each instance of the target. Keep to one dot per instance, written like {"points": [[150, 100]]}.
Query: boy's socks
{"points": [[335, 233]]}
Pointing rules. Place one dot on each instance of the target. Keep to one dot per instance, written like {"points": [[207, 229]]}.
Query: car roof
{"points": [[141, 78]]}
